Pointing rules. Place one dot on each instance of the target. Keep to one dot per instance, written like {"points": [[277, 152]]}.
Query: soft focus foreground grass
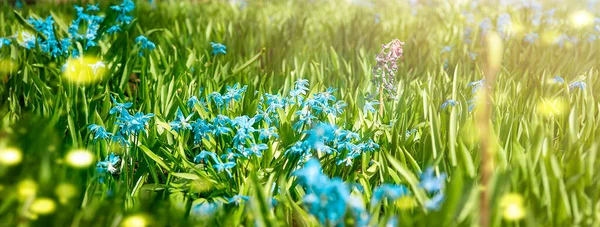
{"points": [[545, 135]]}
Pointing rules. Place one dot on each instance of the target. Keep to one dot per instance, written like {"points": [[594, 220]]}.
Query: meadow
{"points": [[299, 113]]}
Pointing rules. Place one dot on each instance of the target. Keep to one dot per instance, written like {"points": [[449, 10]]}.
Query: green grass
{"points": [[549, 160]]}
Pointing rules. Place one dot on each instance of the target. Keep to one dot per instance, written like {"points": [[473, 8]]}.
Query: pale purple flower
{"points": [[387, 65]]}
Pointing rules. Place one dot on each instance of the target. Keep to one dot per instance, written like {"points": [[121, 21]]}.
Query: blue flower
{"points": [[357, 206], [327, 201], [220, 125], [114, 29], [348, 159], [238, 199], [227, 166], [244, 122], [145, 44], [436, 202], [99, 132], [297, 149], [591, 38], [337, 108], [305, 118], [50, 44], [446, 49], [347, 135], [256, 149], [234, 93], [201, 130], [503, 25], [267, 133], [430, 183], [369, 107], [181, 122], [559, 80], [119, 138], [579, 84], [300, 88], [531, 37], [133, 124], [476, 85], [301, 84], [369, 146], [311, 173], [392, 222], [218, 48], [119, 107], [122, 10], [218, 99], [389, 191], [204, 155], [485, 25], [471, 104], [109, 164], [192, 101], [449, 102], [274, 102], [205, 209], [4, 41], [230, 156], [93, 7], [472, 55]]}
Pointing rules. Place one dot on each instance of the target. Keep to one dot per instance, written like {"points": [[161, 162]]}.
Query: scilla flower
{"points": [[218, 48], [145, 44]]}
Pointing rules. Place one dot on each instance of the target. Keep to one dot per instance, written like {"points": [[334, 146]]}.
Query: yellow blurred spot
{"points": [[469, 134], [551, 107], [406, 202], [581, 19], [79, 158], [516, 29], [43, 206], [10, 156], [8, 66], [137, 220], [65, 192], [84, 70], [550, 37], [493, 50], [26, 188], [512, 207]]}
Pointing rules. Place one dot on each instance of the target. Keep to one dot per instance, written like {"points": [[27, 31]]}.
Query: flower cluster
{"points": [[145, 44], [325, 198], [122, 18], [49, 44], [92, 23], [330, 199], [250, 136], [122, 10], [130, 125], [433, 185], [218, 48], [385, 69], [331, 140]]}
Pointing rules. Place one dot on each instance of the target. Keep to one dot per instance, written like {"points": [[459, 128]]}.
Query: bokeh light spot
{"points": [[80, 158], [84, 70], [10, 156]]}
